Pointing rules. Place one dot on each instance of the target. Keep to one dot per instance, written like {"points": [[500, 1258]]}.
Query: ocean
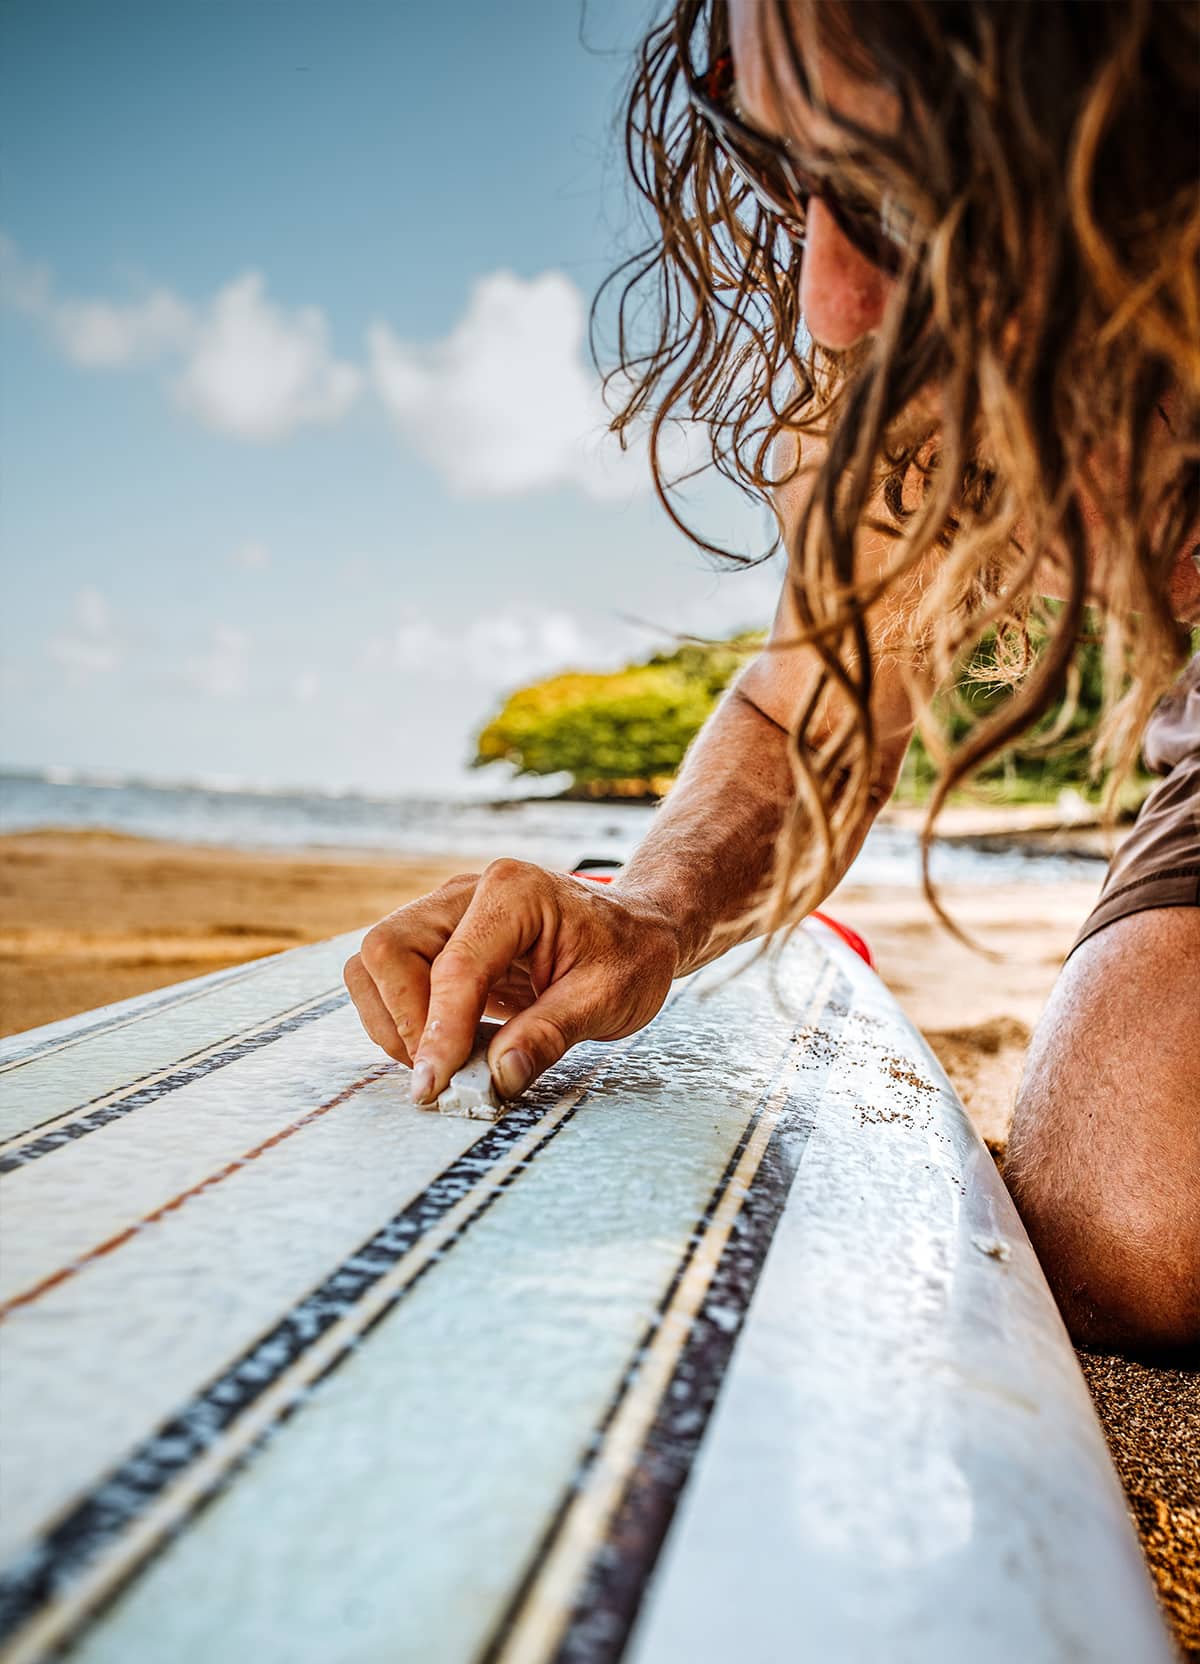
{"points": [[546, 830]]}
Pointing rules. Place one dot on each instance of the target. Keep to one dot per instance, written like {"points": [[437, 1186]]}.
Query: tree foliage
{"points": [[1055, 754], [629, 727]]}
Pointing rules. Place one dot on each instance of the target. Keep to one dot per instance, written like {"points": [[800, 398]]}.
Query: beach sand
{"points": [[91, 917]]}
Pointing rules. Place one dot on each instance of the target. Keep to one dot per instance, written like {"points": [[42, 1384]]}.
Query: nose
{"points": [[842, 295]]}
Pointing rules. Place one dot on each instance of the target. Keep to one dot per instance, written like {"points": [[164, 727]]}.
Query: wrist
{"points": [[661, 909]]}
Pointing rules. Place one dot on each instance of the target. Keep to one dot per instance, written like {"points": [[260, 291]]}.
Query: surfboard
{"points": [[724, 1342]]}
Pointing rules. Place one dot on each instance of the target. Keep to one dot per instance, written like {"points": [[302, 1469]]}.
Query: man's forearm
{"points": [[712, 847], [712, 844]]}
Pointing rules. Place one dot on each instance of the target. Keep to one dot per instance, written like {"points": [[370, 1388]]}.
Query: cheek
{"points": [[842, 295]]}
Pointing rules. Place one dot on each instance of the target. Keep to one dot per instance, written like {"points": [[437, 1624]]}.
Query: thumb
{"points": [[534, 1039]]}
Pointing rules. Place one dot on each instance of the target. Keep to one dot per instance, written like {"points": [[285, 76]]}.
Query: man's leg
{"points": [[1104, 1156]]}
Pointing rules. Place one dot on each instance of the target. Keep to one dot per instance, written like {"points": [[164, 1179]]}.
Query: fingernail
{"points": [[514, 1072], [422, 1082]]}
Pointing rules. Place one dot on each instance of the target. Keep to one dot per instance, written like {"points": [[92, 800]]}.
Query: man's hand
{"points": [[562, 959]]}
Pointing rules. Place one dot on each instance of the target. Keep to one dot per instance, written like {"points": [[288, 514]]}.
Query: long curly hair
{"points": [[1048, 312]]}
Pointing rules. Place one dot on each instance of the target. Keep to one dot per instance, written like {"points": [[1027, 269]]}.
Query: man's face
{"points": [[842, 295]]}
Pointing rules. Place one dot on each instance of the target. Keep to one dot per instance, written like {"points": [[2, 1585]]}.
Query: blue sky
{"points": [[301, 445]]}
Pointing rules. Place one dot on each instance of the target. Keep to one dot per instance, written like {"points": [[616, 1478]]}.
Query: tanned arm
{"points": [[712, 844]]}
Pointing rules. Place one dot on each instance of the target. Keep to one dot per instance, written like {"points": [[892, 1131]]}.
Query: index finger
{"points": [[397, 953], [498, 927]]}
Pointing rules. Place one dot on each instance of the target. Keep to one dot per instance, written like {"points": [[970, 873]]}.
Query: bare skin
{"points": [[1102, 1158], [1105, 1161]]}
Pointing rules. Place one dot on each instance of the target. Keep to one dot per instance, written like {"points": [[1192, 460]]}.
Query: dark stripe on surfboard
{"points": [[47, 1569], [623, 1559], [137, 1097]]}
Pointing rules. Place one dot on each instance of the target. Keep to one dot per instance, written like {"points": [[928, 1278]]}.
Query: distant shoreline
{"points": [[1036, 829], [358, 824], [998, 830], [986, 827]]}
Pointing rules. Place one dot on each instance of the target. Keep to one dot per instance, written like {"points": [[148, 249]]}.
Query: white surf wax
{"points": [[472, 1092]]}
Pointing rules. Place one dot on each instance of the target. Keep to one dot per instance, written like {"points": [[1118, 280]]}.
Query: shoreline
{"points": [[1071, 816]]}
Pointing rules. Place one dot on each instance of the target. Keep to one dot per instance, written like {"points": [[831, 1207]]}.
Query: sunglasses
{"points": [[782, 184]]}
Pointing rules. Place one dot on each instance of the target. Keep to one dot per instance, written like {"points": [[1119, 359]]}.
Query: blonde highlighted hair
{"points": [[1047, 317]]}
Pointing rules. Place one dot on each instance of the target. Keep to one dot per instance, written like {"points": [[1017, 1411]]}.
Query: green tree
{"points": [[1054, 754], [631, 726]]}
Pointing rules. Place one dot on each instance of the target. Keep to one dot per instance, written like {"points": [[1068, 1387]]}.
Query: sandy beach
{"points": [[91, 917]]}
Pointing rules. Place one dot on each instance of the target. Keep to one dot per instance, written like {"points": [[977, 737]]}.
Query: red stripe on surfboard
{"points": [[851, 937]]}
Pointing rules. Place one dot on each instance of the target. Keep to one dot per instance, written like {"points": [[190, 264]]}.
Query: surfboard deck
{"points": [[726, 1342]]}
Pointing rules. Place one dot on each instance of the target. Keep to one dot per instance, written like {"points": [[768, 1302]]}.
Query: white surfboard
{"points": [[724, 1343]]}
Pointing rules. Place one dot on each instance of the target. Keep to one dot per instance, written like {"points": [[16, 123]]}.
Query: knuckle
{"points": [[376, 949], [457, 965], [463, 883], [407, 1012], [506, 870]]}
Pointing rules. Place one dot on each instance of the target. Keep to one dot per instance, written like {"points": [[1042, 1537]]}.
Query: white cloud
{"points": [[223, 670], [305, 687], [96, 334], [90, 645], [248, 367], [253, 555], [258, 372], [99, 335], [506, 403]]}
